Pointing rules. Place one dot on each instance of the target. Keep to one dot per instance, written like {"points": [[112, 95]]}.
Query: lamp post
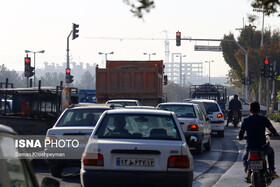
{"points": [[260, 85], [149, 55], [209, 68], [180, 76], [100, 53], [34, 52]]}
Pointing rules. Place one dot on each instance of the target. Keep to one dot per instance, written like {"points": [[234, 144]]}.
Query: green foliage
{"points": [[175, 92], [275, 116], [250, 39], [12, 75], [87, 81], [270, 6], [140, 6]]}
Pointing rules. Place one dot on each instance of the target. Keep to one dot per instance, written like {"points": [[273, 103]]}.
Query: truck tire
{"points": [[199, 148], [208, 145], [56, 171], [221, 133]]}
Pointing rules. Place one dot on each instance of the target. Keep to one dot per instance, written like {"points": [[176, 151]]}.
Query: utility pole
{"points": [[273, 96]]}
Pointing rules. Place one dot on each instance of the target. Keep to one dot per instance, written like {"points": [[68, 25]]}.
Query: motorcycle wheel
{"points": [[257, 180], [235, 122]]}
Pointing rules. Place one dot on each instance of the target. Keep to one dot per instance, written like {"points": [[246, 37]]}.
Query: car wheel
{"points": [[199, 148], [56, 171], [208, 145], [221, 133]]}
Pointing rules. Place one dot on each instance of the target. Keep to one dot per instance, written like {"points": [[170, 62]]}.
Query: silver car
{"points": [[194, 124]]}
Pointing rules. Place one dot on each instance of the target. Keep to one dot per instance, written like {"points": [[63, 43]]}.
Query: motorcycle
{"points": [[235, 118], [257, 165]]}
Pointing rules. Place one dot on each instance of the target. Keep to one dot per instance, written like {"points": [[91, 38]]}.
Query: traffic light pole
{"points": [[68, 50], [67, 64], [273, 88], [267, 96]]}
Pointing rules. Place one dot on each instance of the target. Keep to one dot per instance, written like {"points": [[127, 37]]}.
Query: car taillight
{"points": [[254, 156], [220, 115], [93, 160], [178, 162], [193, 127]]}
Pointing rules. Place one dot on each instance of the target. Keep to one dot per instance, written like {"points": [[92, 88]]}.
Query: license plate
{"points": [[255, 164], [138, 162]]}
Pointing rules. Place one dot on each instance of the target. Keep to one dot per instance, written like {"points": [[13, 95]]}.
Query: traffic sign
{"points": [[208, 48]]}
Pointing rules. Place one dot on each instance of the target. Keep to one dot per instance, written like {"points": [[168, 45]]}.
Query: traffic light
{"points": [[178, 38], [28, 70], [69, 77], [266, 68], [276, 74], [250, 78], [75, 31], [271, 72]]}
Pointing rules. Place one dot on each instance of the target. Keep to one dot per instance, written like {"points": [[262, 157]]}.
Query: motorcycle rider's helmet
{"points": [[235, 96]]}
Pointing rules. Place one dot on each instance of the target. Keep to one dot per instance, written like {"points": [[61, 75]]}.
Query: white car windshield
{"points": [[80, 117], [138, 126], [211, 108], [124, 103], [186, 111]]}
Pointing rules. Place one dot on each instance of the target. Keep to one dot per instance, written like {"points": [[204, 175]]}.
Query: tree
{"points": [[270, 6], [87, 81], [175, 92], [138, 8], [52, 79], [12, 75], [250, 40]]}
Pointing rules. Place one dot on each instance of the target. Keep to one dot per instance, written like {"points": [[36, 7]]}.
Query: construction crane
{"points": [[166, 41]]}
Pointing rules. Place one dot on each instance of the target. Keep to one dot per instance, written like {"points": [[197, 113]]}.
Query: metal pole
{"points": [[181, 70], [262, 29], [209, 72], [246, 74], [68, 50], [260, 90], [67, 64], [273, 88], [267, 96], [260, 85], [34, 68]]}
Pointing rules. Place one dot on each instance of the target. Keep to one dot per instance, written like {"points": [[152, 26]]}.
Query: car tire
{"points": [[56, 171], [208, 145], [199, 148], [221, 133]]}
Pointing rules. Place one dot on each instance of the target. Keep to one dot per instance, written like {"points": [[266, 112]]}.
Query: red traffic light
{"points": [[266, 61], [68, 70], [27, 60], [178, 33]]}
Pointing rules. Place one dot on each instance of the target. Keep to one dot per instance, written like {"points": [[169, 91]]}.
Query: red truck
{"points": [[141, 80]]}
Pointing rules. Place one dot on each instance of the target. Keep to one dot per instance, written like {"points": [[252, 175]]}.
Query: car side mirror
{"points": [[50, 182]]}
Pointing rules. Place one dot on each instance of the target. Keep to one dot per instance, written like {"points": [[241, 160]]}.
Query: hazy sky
{"points": [[44, 25]]}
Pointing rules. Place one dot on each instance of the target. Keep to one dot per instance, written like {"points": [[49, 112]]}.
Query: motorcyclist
{"points": [[234, 104], [255, 125]]}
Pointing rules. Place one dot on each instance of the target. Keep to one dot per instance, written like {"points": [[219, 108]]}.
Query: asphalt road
{"points": [[219, 167]]}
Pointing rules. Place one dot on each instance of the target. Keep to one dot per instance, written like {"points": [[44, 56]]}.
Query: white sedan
{"points": [[137, 148]]}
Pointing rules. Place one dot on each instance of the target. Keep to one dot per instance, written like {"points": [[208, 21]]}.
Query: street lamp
{"points": [[27, 51], [149, 55], [180, 78], [209, 68], [100, 53]]}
